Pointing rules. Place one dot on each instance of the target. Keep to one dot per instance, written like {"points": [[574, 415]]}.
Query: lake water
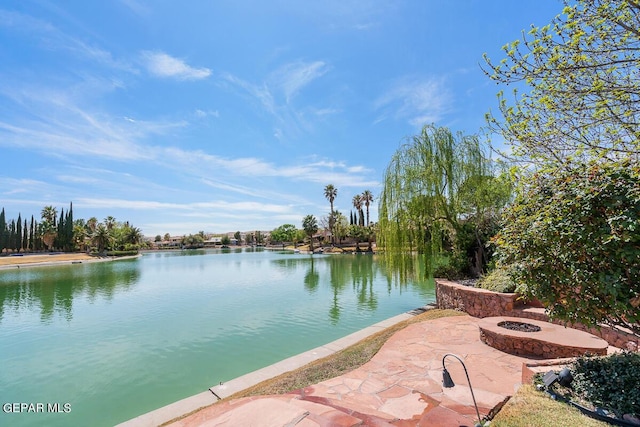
{"points": [[109, 341]]}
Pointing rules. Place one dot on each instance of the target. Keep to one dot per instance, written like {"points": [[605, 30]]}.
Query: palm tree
{"points": [[49, 214], [47, 226], [330, 193], [80, 235], [357, 203], [134, 236], [91, 224], [110, 222], [310, 226], [101, 238], [367, 199]]}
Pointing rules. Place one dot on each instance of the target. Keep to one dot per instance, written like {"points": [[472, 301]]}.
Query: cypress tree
{"points": [[32, 231], [12, 236], [59, 240], [17, 242], [37, 244], [3, 231], [68, 228], [25, 236]]}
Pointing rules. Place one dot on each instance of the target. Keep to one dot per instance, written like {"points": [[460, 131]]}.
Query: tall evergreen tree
{"points": [[32, 231], [25, 236], [12, 236], [68, 229], [17, 242], [3, 231]]}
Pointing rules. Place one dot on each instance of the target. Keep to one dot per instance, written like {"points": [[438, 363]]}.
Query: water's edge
{"points": [[223, 390]]}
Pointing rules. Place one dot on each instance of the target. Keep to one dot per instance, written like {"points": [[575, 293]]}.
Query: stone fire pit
{"points": [[533, 338]]}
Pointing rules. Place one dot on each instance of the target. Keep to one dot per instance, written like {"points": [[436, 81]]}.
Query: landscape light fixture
{"points": [[447, 382], [564, 378]]}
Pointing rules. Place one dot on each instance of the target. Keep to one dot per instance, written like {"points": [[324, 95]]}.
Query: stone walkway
{"points": [[401, 386]]}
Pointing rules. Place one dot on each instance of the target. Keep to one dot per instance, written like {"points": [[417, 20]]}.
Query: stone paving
{"points": [[401, 386]]}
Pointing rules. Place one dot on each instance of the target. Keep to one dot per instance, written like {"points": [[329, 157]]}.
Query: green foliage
{"points": [[122, 253], [574, 240], [498, 280], [330, 193], [452, 266], [225, 240], [583, 95], [310, 227], [284, 233], [193, 241], [609, 382], [439, 190]]}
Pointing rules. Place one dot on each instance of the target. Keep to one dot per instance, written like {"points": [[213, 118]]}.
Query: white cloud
{"points": [[201, 114], [260, 92], [419, 101], [162, 65], [277, 91], [292, 77], [52, 38], [59, 125]]}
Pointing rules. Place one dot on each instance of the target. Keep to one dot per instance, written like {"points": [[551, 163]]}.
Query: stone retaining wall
{"points": [[483, 303], [476, 302]]}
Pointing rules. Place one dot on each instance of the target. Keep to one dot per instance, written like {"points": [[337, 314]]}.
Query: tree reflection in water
{"points": [[54, 288], [357, 272]]}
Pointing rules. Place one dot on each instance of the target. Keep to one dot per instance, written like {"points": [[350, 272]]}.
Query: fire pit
{"points": [[520, 326], [536, 339]]}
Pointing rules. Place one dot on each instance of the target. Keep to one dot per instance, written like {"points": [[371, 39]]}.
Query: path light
{"points": [[447, 382], [564, 378]]}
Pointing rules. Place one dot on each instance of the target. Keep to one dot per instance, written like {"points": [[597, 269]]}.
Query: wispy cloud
{"points": [[260, 92], [163, 65], [207, 206], [137, 7], [416, 100], [314, 171], [56, 122], [292, 77], [201, 114], [51, 38], [276, 93]]}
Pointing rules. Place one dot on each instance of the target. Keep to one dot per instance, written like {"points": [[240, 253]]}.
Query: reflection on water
{"points": [[118, 339], [52, 289]]}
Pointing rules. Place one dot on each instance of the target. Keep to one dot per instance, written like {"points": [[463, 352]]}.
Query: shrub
{"points": [[121, 253], [609, 382], [498, 280], [574, 237], [454, 267]]}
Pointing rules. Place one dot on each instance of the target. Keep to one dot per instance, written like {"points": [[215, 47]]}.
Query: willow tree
{"points": [[581, 97], [440, 193]]}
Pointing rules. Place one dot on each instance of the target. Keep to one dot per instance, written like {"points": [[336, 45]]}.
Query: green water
{"points": [[110, 341]]}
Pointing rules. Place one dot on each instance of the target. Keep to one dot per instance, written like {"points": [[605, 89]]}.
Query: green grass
{"points": [[532, 408]]}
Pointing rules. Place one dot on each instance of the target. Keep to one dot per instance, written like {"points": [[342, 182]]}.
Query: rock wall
{"points": [[476, 302], [483, 303]]}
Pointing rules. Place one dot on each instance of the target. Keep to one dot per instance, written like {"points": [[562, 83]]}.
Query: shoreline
{"points": [[176, 410], [41, 260]]}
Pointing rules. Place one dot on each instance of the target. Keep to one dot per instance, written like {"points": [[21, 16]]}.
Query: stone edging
{"points": [[481, 303]]}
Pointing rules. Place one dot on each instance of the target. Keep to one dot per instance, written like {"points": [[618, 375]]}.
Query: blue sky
{"points": [[233, 115]]}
